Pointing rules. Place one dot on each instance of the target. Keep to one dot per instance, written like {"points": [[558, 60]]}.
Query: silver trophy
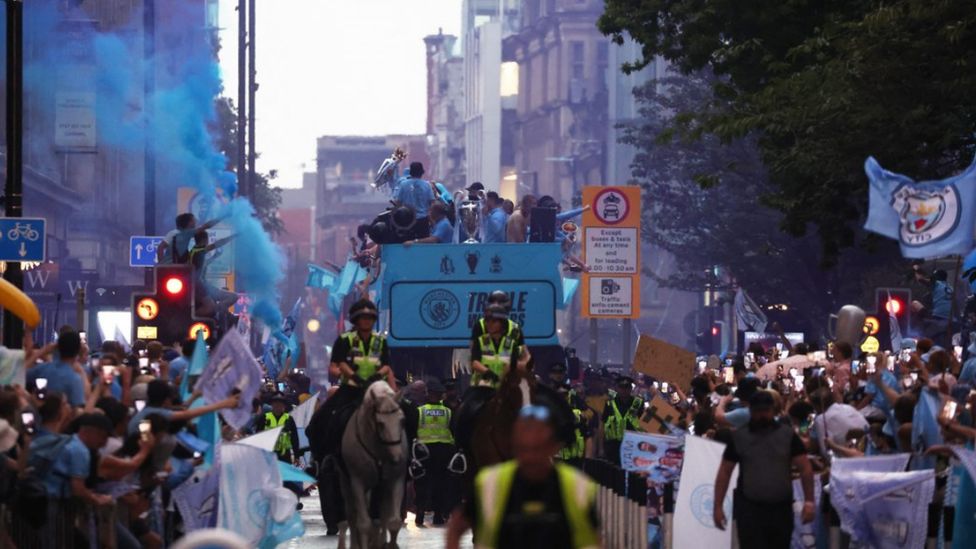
{"points": [[387, 175], [469, 217]]}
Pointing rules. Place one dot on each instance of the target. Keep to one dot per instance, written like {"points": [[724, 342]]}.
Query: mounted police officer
{"points": [[434, 431], [511, 330], [622, 413], [493, 352]]}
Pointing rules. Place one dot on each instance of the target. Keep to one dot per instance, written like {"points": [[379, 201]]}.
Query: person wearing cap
{"points": [[442, 232], [621, 413], [434, 431], [512, 328], [493, 352], [766, 453], [835, 421], [416, 193], [739, 417], [531, 501], [287, 441], [574, 452]]}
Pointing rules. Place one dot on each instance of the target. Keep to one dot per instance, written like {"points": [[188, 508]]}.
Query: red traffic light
{"points": [[174, 286], [893, 306]]}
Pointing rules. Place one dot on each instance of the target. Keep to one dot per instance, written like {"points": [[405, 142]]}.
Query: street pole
{"points": [[252, 88], [13, 327], [242, 179], [149, 90]]}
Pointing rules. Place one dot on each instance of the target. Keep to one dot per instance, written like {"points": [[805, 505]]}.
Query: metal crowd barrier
{"points": [[621, 505], [68, 524]]}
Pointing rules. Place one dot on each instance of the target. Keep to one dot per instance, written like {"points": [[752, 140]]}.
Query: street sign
{"points": [[23, 239], [142, 250], [611, 248]]}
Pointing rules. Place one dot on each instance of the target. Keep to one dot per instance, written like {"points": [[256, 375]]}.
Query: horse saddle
{"points": [[474, 401]]}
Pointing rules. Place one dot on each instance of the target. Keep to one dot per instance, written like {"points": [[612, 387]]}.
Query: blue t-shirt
{"points": [[879, 400], [442, 230], [417, 194], [61, 378], [738, 418], [495, 226], [941, 299], [74, 461], [178, 367], [148, 410], [968, 374]]}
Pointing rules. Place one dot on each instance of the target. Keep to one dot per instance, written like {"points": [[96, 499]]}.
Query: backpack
{"points": [[30, 498], [179, 258]]}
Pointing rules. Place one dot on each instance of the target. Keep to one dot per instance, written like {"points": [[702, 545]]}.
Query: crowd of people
{"points": [[425, 212]]}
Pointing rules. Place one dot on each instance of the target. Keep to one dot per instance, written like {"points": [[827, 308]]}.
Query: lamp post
{"points": [[13, 328]]}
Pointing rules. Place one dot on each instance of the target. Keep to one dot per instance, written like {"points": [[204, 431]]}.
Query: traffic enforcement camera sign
{"points": [[611, 247]]}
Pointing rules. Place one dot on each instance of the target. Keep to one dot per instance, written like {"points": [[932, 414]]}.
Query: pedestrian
{"points": [[765, 453], [434, 432], [518, 223], [63, 375], [530, 501]]}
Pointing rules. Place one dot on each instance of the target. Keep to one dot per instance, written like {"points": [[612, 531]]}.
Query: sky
{"points": [[334, 67]]}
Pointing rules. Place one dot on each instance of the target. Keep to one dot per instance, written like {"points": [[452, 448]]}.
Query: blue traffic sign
{"points": [[22, 239], [142, 250]]}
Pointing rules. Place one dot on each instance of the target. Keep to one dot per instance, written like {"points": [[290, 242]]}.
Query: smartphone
{"points": [[702, 365], [665, 388], [855, 366], [690, 401], [819, 356], [872, 360], [779, 346], [891, 363], [41, 384], [728, 362], [906, 355], [792, 372], [908, 382], [949, 409], [155, 367], [197, 455], [281, 386], [729, 375], [752, 356], [142, 353], [957, 351], [784, 354], [84, 337], [140, 404], [108, 374], [914, 376], [95, 361], [28, 419], [143, 362], [798, 382], [675, 398], [870, 368], [145, 427]]}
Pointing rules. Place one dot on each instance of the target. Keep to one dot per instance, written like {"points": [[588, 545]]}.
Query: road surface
{"points": [[410, 537]]}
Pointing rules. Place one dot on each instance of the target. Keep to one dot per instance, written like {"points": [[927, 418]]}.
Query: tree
{"points": [[821, 86], [266, 199], [701, 204]]}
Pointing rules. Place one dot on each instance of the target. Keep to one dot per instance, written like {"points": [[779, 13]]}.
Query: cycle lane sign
{"points": [[142, 250], [23, 239]]}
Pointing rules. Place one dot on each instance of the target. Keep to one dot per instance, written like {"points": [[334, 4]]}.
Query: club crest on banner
{"points": [[439, 309], [926, 216], [703, 503]]}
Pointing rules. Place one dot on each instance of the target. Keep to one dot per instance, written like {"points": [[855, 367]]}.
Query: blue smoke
{"points": [[106, 59]]}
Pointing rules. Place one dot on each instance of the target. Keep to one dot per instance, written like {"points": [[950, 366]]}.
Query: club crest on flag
{"points": [[926, 216]]}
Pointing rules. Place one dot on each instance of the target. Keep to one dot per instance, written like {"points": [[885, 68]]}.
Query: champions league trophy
{"points": [[469, 216], [387, 174]]}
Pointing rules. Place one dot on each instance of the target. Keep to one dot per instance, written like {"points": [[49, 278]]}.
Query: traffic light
{"points": [[896, 302], [166, 314]]}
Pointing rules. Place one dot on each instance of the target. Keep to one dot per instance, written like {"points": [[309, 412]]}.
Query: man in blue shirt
{"points": [[61, 374], [179, 365], [159, 400], [72, 465], [441, 233], [875, 404], [496, 220], [417, 194]]}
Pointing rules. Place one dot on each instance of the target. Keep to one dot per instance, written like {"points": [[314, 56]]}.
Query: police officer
{"points": [[512, 330], [621, 413], [492, 353], [434, 431], [530, 501], [574, 452], [287, 445]]}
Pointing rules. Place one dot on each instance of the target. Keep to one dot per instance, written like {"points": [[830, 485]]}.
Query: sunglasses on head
{"points": [[533, 411]]}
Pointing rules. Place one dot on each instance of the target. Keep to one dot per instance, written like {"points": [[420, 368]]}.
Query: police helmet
{"points": [[363, 307]]}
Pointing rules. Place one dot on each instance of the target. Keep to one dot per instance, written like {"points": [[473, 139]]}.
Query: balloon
{"points": [[17, 302]]}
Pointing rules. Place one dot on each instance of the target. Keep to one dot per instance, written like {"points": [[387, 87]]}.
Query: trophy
{"points": [[469, 216], [571, 229], [387, 174]]}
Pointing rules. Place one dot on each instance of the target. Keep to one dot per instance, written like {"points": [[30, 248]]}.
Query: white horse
{"points": [[374, 448]]}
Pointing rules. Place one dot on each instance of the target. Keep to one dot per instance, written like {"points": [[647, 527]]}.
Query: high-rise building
{"points": [[445, 110]]}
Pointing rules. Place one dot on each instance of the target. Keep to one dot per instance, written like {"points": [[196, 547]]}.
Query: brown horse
{"points": [[490, 440]]}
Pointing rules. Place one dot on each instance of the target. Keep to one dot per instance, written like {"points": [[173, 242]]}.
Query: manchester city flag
{"points": [[928, 218]]}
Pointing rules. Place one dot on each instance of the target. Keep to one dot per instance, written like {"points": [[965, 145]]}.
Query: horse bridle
{"points": [[376, 460]]}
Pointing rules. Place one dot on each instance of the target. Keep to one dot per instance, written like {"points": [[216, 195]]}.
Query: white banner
{"points": [[693, 522]]}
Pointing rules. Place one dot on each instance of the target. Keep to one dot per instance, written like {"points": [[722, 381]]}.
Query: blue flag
{"points": [[926, 432], [288, 324], [320, 278], [198, 362], [197, 499], [351, 274], [232, 368], [929, 218], [884, 510]]}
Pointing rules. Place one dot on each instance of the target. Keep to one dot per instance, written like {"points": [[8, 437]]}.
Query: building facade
{"points": [[445, 111]]}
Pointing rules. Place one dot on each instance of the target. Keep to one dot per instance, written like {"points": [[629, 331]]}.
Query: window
{"points": [[602, 58], [577, 57]]}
